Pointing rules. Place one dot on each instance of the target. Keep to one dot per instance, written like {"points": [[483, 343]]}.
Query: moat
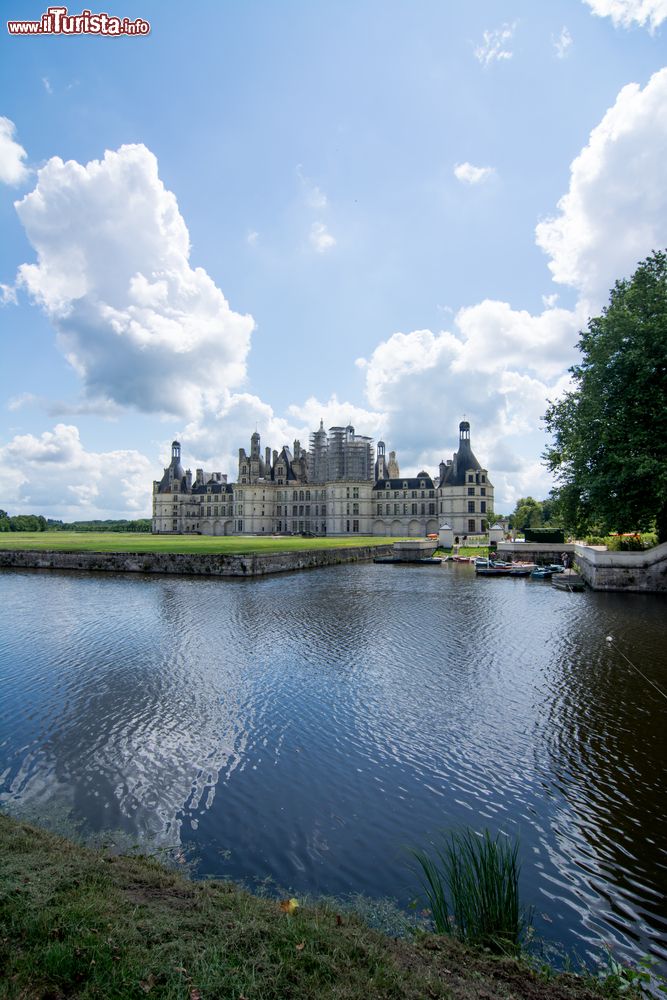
{"points": [[307, 728]]}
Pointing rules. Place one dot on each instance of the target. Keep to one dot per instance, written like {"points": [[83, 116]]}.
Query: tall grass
{"points": [[472, 886]]}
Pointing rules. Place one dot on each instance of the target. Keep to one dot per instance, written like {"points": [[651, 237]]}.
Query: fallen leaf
{"points": [[289, 905], [301, 945], [195, 994], [148, 983]]}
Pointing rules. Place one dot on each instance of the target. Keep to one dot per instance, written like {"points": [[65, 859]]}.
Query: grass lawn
{"points": [[84, 924], [108, 541]]}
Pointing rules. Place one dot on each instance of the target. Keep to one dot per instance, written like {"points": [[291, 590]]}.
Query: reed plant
{"points": [[472, 885]]}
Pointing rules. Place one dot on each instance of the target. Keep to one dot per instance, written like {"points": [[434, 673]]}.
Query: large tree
{"points": [[610, 430]]}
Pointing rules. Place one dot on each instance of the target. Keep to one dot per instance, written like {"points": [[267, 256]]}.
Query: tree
{"points": [[610, 430]]}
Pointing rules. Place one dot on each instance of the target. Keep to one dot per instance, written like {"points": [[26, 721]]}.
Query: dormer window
{"points": [[405, 485], [422, 484], [387, 485]]}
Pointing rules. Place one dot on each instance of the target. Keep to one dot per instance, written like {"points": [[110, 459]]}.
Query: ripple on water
{"points": [[308, 727]]}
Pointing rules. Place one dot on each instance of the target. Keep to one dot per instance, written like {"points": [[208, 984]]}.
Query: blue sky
{"points": [[264, 213]]}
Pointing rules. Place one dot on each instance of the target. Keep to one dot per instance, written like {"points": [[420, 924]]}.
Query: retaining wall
{"points": [[190, 564], [633, 571]]}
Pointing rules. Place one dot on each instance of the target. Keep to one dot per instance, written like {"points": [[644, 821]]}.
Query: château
{"points": [[337, 487]]}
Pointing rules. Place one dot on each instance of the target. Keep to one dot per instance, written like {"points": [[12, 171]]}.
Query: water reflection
{"points": [[307, 727]]}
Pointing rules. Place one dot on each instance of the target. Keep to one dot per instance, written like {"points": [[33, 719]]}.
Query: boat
{"points": [[542, 573], [522, 569]]}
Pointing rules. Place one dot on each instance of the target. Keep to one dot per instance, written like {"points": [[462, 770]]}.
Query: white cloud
{"points": [[336, 413], [252, 237], [135, 320], [12, 168], [615, 211], [320, 238], [494, 45], [54, 474], [7, 294], [468, 174], [315, 197], [628, 12], [47, 85], [499, 366], [563, 43]]}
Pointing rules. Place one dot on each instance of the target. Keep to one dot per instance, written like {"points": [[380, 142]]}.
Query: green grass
{"points": [[85, 541], [472, 884], [83, 924]]}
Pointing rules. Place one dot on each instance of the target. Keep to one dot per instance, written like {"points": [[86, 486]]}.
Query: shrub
{"points": [[472, 885]]}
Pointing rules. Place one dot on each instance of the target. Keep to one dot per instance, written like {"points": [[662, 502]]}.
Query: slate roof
{"points": [[406, 484]]}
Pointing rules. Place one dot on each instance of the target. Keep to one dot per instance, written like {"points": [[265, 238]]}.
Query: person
{"points": [[565, 559]]}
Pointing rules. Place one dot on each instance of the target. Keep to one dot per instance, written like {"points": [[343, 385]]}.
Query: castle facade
{"points": [[337, 487]]}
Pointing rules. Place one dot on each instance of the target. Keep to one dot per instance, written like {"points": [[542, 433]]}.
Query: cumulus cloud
{"points": [[498, 365], [468, 174], [563, 43], [615, 211], [320, 238], [139, 325], [628, 12], [494, 45], [7, 294], [12, 155], [55, 475]]}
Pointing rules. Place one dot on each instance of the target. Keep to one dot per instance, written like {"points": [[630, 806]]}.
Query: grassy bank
{"points": [[73, 541], [78, 923]]}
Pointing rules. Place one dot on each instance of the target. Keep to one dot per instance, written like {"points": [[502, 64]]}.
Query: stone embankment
{"points": [[600, 568], [189, 564], [633, 571]]}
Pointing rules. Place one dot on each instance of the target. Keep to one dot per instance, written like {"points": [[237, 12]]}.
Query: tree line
{"points": [[35, 522], [609, 450]]}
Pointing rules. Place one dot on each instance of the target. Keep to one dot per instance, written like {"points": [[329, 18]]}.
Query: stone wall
{"points": [[198, 564], [541, 553], [633, 571]]}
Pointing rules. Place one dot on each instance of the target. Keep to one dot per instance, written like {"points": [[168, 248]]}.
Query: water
{"points": [[307, 727]]}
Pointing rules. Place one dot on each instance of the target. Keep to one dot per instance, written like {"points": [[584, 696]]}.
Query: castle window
{"points": [[471, 479], [414, 508], [405, 508], [387, 511], [414, 494], [307, 494], [471, 506], [300, 494], [405, 486], [379, 509], [471, 491], [397, 508], [471, 524], [483, 479], [431, 508], [295, 494], [387, 485], [482, 507], [423, 510], [422, 484], [431, 493], [355, 526], [348, 525], [482, 490], [355, 493]]}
